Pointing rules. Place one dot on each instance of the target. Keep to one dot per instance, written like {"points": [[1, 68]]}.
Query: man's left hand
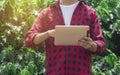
{"points": [[88, 44]]}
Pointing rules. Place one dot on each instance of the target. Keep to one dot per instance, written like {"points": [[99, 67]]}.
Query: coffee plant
{"points": [[17, 16]]}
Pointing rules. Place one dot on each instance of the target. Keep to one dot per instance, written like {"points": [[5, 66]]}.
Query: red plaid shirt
{"points": [[67, 60]]}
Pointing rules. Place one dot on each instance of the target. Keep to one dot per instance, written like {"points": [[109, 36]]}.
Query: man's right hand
{"points": [[51, 33]]}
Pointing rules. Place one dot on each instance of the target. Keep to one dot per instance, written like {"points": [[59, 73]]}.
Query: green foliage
{"points": [[17, 16], [106, 65], [25, 61], [108, 11]]}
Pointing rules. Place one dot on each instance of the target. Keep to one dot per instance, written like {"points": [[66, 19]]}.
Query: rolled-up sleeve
{"points": [[96, 33], [37, 27]]}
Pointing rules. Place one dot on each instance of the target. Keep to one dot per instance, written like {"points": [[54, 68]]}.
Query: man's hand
{"points": [[88, 44], [51, 33]]}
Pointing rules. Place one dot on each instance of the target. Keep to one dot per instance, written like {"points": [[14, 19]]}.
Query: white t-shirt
{"points": [[67, 11]]}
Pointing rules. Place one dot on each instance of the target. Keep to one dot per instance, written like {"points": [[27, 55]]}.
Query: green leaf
{"points": [[117, 68], [104, 5], [106, 11], [118, 11], [25, 72], [111, 59]]}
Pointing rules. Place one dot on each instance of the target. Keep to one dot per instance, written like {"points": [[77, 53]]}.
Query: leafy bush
{"points": [[106, 65], [108, 62], [17, 16], [26, 60]]}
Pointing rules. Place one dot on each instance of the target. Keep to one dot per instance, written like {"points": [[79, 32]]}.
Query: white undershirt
{"points": [[67, 11]]}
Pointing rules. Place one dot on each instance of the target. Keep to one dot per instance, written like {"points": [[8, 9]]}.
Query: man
{"points": [[67, 60]]}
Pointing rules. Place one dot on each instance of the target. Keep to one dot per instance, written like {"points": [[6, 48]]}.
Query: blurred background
{"points": [[17, 16]]}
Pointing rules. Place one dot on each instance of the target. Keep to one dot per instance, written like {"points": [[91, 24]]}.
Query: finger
{"points": [[85, 44], [88, 46], [82, 43], [87, 39], [53, 30]]}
